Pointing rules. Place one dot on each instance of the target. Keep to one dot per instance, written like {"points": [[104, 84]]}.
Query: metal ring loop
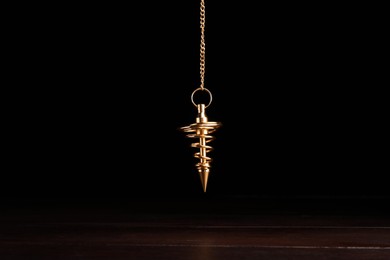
{"points": [[196, 90]]}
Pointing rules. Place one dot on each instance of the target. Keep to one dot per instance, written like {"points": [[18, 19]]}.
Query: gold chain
{"points": [[202, 43]]}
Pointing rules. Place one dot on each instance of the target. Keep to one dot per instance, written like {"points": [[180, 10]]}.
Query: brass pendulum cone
{"points": [[202, 131], [204, 176]]}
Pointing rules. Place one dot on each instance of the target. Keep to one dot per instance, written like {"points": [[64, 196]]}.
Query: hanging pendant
{"points": [[202, 130]]}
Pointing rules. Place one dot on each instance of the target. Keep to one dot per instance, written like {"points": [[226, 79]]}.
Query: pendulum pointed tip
{"points": [[204, 176], [204, 185]]}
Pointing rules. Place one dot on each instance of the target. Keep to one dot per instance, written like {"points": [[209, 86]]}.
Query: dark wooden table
{"points": [[195, 229]]}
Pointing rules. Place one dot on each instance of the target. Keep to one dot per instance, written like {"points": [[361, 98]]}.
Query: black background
{"points": [[93, 97]]}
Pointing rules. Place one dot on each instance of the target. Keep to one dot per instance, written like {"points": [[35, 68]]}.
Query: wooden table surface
{"points": [[195, 229]]}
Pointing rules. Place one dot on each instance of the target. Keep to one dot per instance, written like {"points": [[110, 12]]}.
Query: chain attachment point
{"points": [[201, 89]]}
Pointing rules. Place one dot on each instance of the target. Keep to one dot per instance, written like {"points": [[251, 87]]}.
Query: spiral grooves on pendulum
{"points": [[202, 131]]}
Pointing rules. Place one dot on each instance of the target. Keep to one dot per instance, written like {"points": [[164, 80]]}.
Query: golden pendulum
{"points": [[202, 128]]}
